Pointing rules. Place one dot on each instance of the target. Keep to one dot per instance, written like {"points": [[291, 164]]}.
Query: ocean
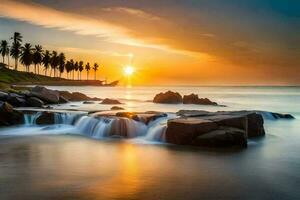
{"points": [[61, 161]]}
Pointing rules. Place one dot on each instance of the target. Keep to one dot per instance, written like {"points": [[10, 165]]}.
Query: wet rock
{"points": [[168, 98], [63, 99], [194, 99], [34, 102], [110, 101], [184, 131], [3, 96], [77, 96], [46, 118], [65, 95], [88, 102], [116, 108], [9, 116], [282, 116], [255, 125], [223, 137], [47, 95], [16, 100], [144, 117]]}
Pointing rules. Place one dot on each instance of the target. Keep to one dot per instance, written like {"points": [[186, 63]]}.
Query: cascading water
{"points": [[101, 127]]}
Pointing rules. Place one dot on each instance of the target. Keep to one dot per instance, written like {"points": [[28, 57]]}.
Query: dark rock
{"points": [[194, 99], [9, 116], [116, 108], [16, 100], [184, 131], [77, 96], [168, 98], [224, 137], [88, 102], [47, 95], [282, 116], [66, 95], [3, 96], [46, 118], [63, 99], [255, 125], [144, 117], [110, 101], [34, 102]]}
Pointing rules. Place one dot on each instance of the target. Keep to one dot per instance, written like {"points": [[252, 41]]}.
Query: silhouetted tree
{"points": [[76, 66], [16, 48], [80, 68], [37, 57], [95, 68], [46, 61], [68, 67], [87, 68], [61, 63], [26, 55], [53, 62], [4, 50]]}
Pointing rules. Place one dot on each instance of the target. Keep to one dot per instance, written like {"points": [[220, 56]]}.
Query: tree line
{"points": [[53, 63]]}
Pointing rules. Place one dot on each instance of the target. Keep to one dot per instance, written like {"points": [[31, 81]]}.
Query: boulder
{"points": [[63, 99], [255, 125], [144, 117], [282, 116], [65, 95], [46, 118], [223, 137], [3, 96], [47, 95], [168, 98], [16, 100], [184, 131], [77, 96], [194, 99], [88, 102], [110, 101], [34, 102], [9, 116], [116, 108]]}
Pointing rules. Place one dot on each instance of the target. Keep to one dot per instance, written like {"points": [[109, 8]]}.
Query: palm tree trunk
{"points": [[87, 75], [95, 74], [16, 64], [3, 59], [8, 61]]}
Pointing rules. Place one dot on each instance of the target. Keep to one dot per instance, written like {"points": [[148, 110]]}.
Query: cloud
{"points": [[50, 18], [134, 12]]}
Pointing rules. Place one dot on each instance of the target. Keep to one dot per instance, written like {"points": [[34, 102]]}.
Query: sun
{"points": [[128, 70]]}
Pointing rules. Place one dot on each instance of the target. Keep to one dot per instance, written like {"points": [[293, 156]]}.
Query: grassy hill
{"points": [[10, 77]]}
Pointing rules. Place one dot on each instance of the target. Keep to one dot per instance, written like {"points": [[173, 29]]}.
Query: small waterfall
{"points": [[93, 127], [65, 118], [157, 129], [30, 119]]}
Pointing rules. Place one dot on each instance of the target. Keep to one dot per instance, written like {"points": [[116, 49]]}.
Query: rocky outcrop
{"points": [[215, 129], [168, 98], [47, 95], [76, 96], [34, 102], [194, 99], [10, 116], [116, 108], [3, 96], [16, 100], [110, 101], [46, 118], [88, 102]]}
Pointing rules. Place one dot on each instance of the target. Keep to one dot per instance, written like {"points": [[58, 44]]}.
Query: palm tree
{"points": [[76, 66], [80, 68], [53, 62], [37, 57], [61, 63], [68, 67], [87, 68], [72, 66], [95, 68], [15, 49], [26, 55], [46, 61], [4, 50]]}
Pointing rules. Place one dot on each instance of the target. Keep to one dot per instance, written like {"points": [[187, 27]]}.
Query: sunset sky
{"points": [[173, 42]]}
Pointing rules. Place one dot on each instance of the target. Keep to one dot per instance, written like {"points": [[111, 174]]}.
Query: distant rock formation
{"points": [[194, 99], [168, 98]]}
